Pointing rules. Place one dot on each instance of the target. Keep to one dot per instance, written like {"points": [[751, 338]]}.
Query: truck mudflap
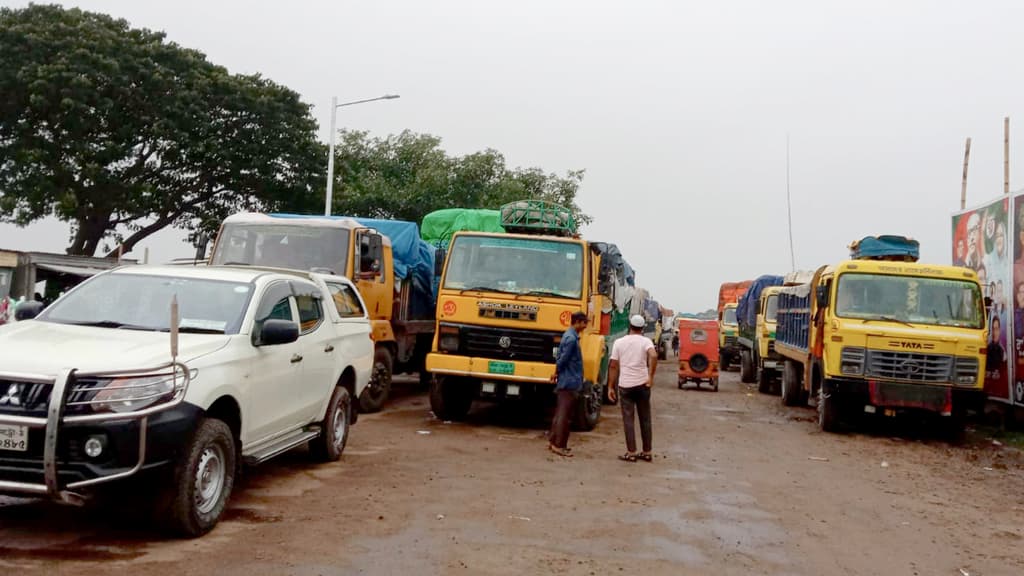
{"points": [[899, 395], [67, 391]]}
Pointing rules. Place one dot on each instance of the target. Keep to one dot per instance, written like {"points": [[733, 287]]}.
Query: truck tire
{"points": [[450, 398], [954, 426], [723, 361], [376, 393], [194, 498], [764, 381], [828, 408], [792, 390], [746, 367], [328, 446], [588, 407]]}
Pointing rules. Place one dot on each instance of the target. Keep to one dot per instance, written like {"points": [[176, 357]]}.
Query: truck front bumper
{"points": [[906, 396], [55, 463], [488, 369]]}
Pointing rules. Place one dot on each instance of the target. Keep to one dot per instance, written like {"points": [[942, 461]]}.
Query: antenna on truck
{"points": [[789, 210]]}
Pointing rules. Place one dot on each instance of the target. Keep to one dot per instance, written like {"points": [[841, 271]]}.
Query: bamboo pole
{"points": [[1006, 155], [963, 183]]}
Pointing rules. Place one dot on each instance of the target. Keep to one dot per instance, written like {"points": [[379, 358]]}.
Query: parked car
{"points": [[99, 389]]}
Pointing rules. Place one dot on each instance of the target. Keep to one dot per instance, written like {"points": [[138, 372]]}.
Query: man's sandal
{"points": [[627, 457], [646, 457], [560, 451]]}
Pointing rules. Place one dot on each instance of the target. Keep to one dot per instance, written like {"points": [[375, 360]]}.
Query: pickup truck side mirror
{"points": [[28, 310], [275, 332], [821, 295]]}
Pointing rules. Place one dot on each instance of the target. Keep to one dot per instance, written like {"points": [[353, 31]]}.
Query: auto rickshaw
{"points": [[698, 352]]}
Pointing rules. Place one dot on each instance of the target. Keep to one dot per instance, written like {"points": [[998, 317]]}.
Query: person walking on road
{"points": [[568, 382], [631, 371]]}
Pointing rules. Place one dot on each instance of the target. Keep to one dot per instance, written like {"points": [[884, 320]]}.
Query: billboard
{"points": [[981, 242], [1017, 302]]}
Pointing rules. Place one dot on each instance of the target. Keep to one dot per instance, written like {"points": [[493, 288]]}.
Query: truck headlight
{"points": [[448, 339], [966, 372], [131, 394], [852, 361]]}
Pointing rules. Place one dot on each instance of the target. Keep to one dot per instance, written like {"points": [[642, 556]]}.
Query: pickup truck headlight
{"points": [[852, 361], [448, 339], [966, 372], [136, 393]]}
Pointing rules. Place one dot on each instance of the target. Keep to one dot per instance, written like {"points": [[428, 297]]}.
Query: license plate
{"points": [[501, 367], [14, 438]]}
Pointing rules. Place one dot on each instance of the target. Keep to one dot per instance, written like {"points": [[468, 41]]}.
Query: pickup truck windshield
{"points": [[729, 317], [283, 246], [911, 299], [516, 265], [143, 302], [771, 308]]}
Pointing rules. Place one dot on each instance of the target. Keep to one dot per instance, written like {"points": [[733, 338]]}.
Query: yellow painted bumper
{"points": [[455, 365]]}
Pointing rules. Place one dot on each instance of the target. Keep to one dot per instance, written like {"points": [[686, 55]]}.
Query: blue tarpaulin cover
{"points": [[746, 310], [878, 247]]}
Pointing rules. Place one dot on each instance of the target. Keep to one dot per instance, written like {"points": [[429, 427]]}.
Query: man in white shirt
{"points": [[631, 370]]}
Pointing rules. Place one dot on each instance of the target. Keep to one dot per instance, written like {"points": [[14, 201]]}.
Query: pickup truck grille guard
{"points": [[66, 383]]}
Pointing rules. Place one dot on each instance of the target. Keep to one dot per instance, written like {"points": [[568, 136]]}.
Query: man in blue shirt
{"points": [[568, 383]]}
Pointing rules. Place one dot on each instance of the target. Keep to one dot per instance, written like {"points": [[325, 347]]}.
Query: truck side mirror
{"points": [[371, 252], [439, 256], [821, 293]]}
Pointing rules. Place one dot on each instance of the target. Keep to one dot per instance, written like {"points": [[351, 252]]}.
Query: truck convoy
{"points": [[756, 317], [729, 295], [881, 333], [505, 299], [392, 267]]}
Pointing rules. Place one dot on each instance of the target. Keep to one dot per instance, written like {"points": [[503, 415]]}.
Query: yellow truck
{"points": [[883, 334], [728, 332], [504, 301]]}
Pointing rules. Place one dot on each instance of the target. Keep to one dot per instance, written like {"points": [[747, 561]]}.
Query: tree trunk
{"points": [[129, 243], [89, 232]]}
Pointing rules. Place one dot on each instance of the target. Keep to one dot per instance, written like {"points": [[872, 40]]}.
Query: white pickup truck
{"points": [[98, 388]]}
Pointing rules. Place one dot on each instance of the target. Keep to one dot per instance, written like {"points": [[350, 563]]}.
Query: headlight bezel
{"points": [[852, 360]]}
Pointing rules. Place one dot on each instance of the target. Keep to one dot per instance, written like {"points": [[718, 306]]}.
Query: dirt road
{"points": [[740, 486]]}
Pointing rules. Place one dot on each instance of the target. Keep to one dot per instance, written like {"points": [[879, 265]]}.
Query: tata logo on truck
{"points": [[903, 345]]}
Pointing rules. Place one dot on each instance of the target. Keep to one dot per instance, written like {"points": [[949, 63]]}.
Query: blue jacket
{"points": [[569, 362]]}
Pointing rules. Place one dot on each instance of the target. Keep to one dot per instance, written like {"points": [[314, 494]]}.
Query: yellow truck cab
{"points": [[728, 332], [882, 334], [505, 301], [770, 363]]}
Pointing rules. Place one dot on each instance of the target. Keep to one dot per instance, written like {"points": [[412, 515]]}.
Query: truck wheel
{"points": [[764, 381], [328, 446], [954, 426], [588, 407], [746, 367], [450, 398], [792, 391], [828, 408], [723, 363], [195, 496], [376, 393]]}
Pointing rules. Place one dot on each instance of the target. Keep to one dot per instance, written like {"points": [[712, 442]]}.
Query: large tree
{"points": [[408, 175], [122, 133]]}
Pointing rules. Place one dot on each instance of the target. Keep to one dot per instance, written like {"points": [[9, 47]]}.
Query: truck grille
{"points": [[909, 366], [730, 341], [508, 344]]}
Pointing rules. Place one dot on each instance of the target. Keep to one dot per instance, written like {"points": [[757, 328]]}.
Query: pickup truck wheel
{"points": [[328, 446], [746, 367], [450, 398], [828, 409], [376, 393], [792, 391], [588, 407], [197, 493]]}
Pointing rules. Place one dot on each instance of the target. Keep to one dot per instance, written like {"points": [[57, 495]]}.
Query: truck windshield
{"points": [[516, 265], [729, 317], [283, 246], [771, 308], [912, 299], [143, 302]]}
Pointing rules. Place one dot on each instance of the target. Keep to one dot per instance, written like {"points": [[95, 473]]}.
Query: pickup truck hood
{"points": [[46, 348]]}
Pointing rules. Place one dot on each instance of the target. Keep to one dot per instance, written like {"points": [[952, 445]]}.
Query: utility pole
{"points": [[963, 183]]}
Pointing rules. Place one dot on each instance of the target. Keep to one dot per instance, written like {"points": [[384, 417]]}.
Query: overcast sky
{"points": [[678, 111]]}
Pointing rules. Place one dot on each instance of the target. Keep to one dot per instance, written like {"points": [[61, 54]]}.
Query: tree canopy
{"points": [[121, 133], [409, 175]]}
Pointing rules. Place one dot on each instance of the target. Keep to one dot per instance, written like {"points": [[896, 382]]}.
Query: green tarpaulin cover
{"points": [[439, 226]]}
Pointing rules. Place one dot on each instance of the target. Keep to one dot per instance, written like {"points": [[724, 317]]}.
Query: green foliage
{"points": [[408, 175], [121, 133]]}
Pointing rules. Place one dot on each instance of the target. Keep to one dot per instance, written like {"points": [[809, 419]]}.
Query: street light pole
{"points": [[330, 155]]}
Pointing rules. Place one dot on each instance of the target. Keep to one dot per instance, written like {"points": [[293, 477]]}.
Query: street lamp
{"points": [[330, 155]]}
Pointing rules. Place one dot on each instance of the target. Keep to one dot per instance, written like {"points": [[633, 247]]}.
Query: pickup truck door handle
{"points": [[296, 358], [329, 348]]}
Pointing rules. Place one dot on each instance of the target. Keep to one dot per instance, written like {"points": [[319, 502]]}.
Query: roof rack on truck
{"points": [[894, 248], [537, 217]]}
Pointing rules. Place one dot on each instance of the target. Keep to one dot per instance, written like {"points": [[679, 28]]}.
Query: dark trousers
{"points": [[637, 400], [563, 416]]}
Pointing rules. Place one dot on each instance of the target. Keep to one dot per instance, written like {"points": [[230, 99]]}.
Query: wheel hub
{"points": [[209, 479]]}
